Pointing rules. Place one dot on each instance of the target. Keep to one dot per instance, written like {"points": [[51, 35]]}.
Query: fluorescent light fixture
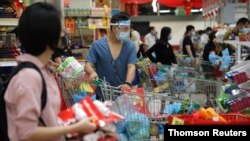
{"points": [[165, 11], [197, 10]]}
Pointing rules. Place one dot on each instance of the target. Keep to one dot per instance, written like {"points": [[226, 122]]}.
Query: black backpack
{"points": [[3, 114]]}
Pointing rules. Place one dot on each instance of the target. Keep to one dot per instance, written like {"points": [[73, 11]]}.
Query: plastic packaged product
{"points": [[70, 68]]}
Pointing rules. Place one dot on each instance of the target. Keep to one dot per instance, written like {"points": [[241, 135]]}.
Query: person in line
{"points": [[232, 34], [188, 47], [113, 57], [150, 38], [39, 31], [212, 47], [163, 49], [135, 37], [205, 37]]}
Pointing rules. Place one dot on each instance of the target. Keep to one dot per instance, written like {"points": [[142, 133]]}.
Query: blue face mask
{"points": [[122, 36], [193, 33], [243, 30], [169, 37]]}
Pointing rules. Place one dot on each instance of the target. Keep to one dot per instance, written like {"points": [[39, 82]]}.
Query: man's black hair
{"points": [[208, 29], [189, 28], [39, 27], [243, 21]]}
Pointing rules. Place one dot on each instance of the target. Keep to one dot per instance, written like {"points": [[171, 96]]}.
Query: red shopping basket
{"points": [[232, 119]]}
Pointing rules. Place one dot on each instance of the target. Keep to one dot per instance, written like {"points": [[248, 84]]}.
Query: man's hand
{"points": [[124, 87], [93, 76], [158, 63]]}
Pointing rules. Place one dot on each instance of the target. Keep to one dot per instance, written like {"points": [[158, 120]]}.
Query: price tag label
{"points": [[177, 121], [92, 26]]}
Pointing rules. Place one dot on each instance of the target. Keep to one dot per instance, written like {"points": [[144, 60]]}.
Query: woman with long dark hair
{"points": [[163, 50]]}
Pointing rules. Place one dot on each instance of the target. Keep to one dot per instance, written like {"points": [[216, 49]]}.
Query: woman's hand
{"points": [[58, 60], [52, 66], [86, 126]]}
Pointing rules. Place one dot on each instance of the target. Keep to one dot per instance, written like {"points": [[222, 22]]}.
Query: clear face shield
{"points": [[122, 30]]}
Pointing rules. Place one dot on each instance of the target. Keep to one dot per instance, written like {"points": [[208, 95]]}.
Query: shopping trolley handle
{"points": [[100, 82], [97, 82]]}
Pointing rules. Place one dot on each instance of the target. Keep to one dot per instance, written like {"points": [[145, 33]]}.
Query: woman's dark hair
{"points": [[212, 35], [39, 27], [189, 28], [165, 32]]}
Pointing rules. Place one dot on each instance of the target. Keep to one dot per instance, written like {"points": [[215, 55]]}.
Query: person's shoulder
{"points": [[30, 76], [147, 35], [128, 42], [99, 42], [187, 37]]}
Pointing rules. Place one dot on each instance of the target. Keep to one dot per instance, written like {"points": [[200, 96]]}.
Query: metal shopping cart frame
{"points": [[70, 87], [154, 104]]}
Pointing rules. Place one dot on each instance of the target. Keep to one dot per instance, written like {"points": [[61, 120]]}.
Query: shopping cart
{"points": [[186, 61], [186, 82], [75, 89], [141, 110], [201, 91]]}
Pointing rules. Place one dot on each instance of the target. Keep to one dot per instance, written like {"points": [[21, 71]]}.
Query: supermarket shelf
{"points": [[98, 16], [87, 16], [87, 27], [8, 21], [8, 63]]}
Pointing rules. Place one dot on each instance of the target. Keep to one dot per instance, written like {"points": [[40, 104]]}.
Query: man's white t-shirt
{"points": [[135, 38], [150, 40]]}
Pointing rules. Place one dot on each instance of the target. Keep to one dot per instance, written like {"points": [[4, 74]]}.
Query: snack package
{"points": [[88, 108]]}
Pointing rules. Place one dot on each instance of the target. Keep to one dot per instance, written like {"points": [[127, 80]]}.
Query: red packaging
{"points": [[139, 100], [68, 116]]}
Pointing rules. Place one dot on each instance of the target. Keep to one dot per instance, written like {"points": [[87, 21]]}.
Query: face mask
{"points": [[193, 33], [122, 36], [170, 37], [243, 30], [153, 33]]}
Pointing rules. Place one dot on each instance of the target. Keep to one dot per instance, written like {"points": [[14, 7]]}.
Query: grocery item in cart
{"points": [[233, 99], [70, 68], [231, 119], [134, 127]]}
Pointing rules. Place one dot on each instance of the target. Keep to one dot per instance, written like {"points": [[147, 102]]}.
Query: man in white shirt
{"points": [[151, 37], [135, 37]]}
